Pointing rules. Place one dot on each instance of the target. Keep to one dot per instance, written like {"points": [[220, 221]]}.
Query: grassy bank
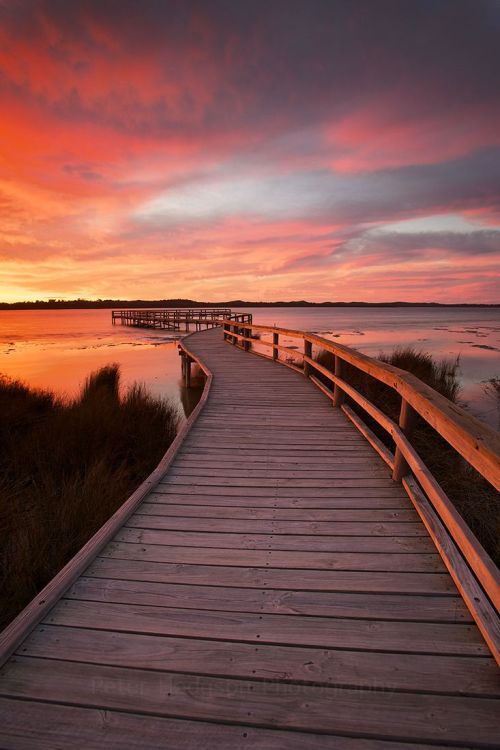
{"points": [[474, 497], [65, 467]]}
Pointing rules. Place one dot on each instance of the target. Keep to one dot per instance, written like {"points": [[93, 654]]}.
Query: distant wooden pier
{"points": [[179, 319], [282, 580]]}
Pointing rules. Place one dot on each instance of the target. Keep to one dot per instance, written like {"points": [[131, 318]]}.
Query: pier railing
{"points": [[478, 445], [173, 318], [166, 313]]}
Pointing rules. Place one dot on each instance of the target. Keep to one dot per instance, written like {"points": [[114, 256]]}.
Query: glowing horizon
{"points": [[263, 151]]}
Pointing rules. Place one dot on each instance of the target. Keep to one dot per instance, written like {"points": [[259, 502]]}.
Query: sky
{"points": [[250, 149]]}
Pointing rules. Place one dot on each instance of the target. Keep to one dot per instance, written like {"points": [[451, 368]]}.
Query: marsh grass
{"points": [[65, 467], [473, 496]]}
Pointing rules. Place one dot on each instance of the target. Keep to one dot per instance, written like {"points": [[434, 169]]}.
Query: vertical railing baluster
{"points": [[406, 422], [338, 393], [307, 353], [275, 345]]}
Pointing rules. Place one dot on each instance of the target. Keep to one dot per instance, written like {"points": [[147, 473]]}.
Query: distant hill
{"points": [[82, 304]]}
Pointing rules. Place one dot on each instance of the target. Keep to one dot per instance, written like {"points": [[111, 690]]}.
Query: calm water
{"points": [[57, 349]]}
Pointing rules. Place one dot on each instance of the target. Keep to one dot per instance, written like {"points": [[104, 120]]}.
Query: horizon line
{"points": [[183, 301]]}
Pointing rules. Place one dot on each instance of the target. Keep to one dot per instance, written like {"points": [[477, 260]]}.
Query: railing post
{"points": [[246, 333], [307, 353], [338, 393], [406, 422], [275, 345]]}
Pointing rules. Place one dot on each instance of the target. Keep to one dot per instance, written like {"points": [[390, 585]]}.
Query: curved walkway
{"points": [[275, 590]]}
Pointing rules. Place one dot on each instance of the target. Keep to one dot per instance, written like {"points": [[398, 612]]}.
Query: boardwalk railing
{"points": [[468, 563]]}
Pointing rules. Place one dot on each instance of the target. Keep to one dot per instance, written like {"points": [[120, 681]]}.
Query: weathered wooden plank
{"points": [[47, 726], [276, 514], [290, 602], [122, 565], [340, 528], [330, 632], [320, 424], [404, 716], [335, 668], [348, 472], [282, 463], [285, 435], [276, 447], [165, 498], [332, 450], [289, 492], [276, 558], [284, 483], [383, 544], [264, 421], [256, 440]]}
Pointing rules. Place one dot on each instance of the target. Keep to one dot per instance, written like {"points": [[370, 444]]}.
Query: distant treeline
{"points": [[81, 304]]}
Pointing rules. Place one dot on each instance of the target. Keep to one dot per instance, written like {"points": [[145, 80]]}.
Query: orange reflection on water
{"points": [[58, 349]]}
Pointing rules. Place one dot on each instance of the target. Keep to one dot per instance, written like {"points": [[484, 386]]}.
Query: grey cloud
{"points": [[322, 195], [281, 64], [480, 242]]}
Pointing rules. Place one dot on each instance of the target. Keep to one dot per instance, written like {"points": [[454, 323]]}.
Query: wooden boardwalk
{"points": [[276, 589]]}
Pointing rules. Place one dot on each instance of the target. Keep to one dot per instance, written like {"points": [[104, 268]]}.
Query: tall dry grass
{"points": [[474, 497], [65, 467]]}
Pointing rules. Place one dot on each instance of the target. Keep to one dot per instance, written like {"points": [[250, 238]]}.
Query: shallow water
{"points": [[58, 348]]}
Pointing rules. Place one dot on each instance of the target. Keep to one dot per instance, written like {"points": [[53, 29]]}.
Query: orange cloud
{"points": [[211, 151]]}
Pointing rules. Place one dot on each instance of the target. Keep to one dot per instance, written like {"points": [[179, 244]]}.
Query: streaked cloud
{"points": [[322, 150]]}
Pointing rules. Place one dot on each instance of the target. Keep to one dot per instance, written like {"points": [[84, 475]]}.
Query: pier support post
{"points": [[338, 393], [406, 422]]}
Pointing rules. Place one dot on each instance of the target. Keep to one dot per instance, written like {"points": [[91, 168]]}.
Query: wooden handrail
{"points": [[477, 443]]}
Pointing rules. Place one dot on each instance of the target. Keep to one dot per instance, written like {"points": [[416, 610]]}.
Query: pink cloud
{"points": [[103, 112], [377, 136]]}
